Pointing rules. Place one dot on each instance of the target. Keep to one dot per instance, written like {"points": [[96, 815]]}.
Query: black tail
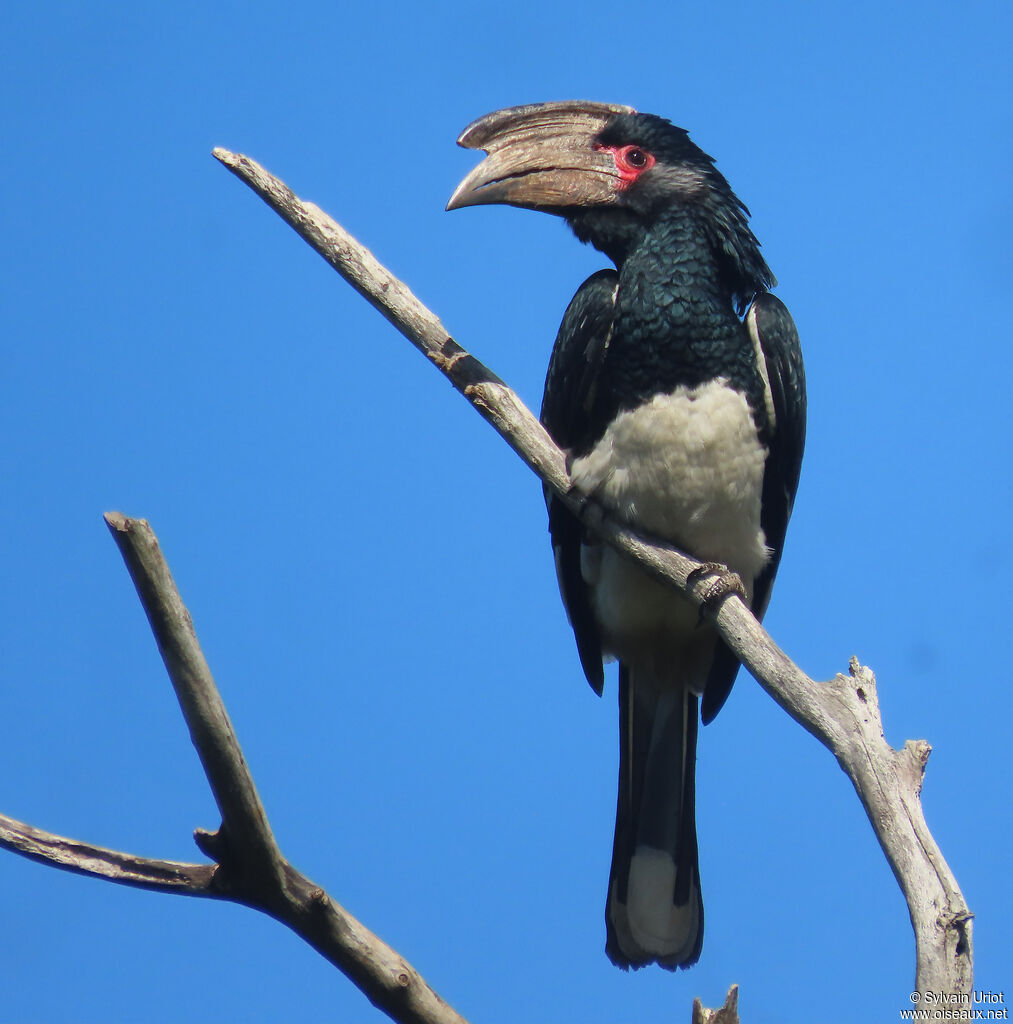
{"points": [[654, 912]]}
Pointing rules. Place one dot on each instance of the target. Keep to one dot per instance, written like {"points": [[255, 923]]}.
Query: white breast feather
{"points": [[686, 468]]}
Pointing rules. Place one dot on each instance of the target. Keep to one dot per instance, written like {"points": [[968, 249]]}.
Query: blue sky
{"points": [[366, 562]]}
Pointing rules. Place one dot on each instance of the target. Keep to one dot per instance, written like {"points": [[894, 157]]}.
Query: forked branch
{"points": [[250, 868]]}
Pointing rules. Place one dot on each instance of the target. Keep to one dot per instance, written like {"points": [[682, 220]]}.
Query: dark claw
{"points": [[723, 585]]}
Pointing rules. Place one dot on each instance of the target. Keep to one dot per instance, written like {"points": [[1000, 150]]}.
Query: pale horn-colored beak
{"points": [[541, 156]]}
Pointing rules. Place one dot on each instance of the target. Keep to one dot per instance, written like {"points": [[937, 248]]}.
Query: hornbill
{"points": [[677, 390]]}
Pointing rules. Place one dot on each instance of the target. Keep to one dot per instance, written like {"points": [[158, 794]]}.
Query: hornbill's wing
{"points": [[778, 339], [773, 333], [568, 415]]}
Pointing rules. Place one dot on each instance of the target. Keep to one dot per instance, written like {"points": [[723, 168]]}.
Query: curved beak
{"points": [[540, 156]]}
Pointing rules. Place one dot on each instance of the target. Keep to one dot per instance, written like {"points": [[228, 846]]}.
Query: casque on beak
{"points": [[540, 156]]}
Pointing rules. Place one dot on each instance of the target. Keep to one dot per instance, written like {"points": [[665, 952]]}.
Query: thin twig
{"points": [[843, 714]]}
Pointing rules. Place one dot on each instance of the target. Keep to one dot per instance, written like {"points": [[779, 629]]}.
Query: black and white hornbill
{"points": [[677, 390]]}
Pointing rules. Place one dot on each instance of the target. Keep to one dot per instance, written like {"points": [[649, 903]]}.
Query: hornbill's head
{"points": [[612, 173]]}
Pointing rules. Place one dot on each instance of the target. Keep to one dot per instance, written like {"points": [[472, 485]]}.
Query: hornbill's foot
{"points": [[724, 584]]}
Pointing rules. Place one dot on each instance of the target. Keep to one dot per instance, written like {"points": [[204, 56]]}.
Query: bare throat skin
{"points": [[686, 468]]}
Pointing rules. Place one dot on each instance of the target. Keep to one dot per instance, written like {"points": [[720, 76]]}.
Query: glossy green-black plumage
{"points": [[668, 319], [674, 323], [688, 266]]}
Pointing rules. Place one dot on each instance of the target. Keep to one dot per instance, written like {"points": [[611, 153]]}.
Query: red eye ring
{"points": [[630, 161]]}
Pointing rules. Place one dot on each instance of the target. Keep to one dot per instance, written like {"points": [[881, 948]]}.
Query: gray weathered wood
{"points": [[250, 868]]}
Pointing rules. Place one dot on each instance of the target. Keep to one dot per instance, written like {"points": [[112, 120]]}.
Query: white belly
{"points": [[686, 468]]}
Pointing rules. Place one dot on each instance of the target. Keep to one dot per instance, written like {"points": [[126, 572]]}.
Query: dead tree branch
{"points": [[99, 862], [843, 714], [244, 823], [250, 868], [727, 1014]]}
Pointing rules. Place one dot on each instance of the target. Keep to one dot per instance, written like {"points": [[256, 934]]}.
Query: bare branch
{"points": [[244, 823], [98, 862], [842, 714], [387, 980], [360, 268], [251, 868]]}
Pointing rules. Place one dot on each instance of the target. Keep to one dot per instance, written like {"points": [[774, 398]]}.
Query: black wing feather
{"points": [[786, 373], [570, 389], [783, 354]]}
